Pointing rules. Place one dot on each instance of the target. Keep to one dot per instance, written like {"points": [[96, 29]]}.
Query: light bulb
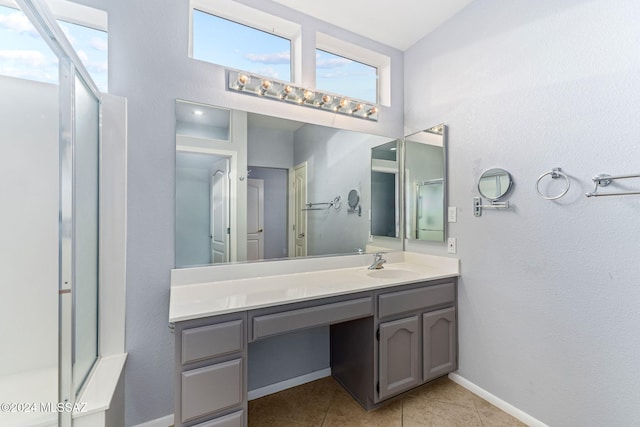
{"points": [[285, 92], [358, 107], [326, 99], [264, 86], [242, 80], [344, 103], [308, 94], [372, 111]]}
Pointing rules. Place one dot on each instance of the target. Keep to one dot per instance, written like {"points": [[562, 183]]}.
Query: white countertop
{"points": [[214, 290]]}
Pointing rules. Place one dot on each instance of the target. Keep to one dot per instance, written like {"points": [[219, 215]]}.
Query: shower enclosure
{"points": [[49, 182]]}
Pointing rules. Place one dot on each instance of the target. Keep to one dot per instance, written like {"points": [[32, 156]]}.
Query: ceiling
{"points": [[395, 23]]}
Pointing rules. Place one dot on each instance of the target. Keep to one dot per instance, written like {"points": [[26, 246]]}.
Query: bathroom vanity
{"points": [[390, 329]]}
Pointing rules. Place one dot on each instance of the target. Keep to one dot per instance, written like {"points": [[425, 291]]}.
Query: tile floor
{"points": [[441, 403]]}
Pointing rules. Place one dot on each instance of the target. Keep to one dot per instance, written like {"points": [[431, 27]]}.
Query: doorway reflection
{"points": [[267, 201], [202, 208]]}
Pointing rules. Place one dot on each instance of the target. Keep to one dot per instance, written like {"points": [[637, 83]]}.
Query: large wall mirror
{"points": [[254, 187], [426, 184]]}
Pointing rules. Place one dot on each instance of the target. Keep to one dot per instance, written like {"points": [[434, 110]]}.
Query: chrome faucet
{"points": [[377, 261]]}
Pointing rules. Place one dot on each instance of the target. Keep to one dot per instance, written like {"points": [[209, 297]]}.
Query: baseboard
{"points": [[496, 401], [158, 422], [292, 382]]}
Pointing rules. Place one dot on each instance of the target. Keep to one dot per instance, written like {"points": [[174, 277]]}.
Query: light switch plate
{"points": [[452, 245], [453, 214]]}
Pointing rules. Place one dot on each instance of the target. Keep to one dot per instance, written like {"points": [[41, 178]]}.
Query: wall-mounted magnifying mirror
{"points": [[426, 184], [353, 199], [494, 185]]}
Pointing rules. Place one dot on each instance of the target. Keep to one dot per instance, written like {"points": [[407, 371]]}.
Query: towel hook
{"points": [[555, 174]]}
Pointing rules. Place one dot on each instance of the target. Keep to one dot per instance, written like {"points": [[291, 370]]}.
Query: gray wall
{"points": [[277, 359], [272, 148], [148, 64], [337, 161], [193, 206], [548, 302]]}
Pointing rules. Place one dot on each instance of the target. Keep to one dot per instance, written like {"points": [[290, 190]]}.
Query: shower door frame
{"points": [[70, 67]]}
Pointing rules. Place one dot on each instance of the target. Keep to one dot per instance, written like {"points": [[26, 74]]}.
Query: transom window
{"points": [[344, 76], [235, 45]]}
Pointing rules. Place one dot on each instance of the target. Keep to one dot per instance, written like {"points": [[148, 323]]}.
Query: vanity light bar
{"points": [[262, 86]]}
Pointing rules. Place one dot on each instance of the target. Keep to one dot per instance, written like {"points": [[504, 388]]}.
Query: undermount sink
{"points": [[389, 273]]}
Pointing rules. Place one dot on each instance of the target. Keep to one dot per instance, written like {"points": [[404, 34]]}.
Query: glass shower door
{"points": [[49, 300], [430, 215], [85, 213]]}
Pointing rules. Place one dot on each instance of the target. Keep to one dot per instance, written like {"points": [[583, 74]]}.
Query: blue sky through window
{"points": [[24, 54], [234, 45], [346, 77]]}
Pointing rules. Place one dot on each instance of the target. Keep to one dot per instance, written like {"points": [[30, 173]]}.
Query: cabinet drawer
{"points": [[210, 341], [415, 299], [211, 388], [272, 324], [232, 420]]}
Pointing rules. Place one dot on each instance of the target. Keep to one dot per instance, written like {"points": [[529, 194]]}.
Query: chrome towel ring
{"points": [[555, 174]]}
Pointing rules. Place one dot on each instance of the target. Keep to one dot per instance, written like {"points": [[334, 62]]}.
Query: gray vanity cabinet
{"points": [[410, 340], [383, 342], [439, 343], [211, 372], [399, 356]]}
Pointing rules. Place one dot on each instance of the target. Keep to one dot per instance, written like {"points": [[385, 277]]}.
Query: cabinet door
{"points": [[399, 356], [439, 344]]}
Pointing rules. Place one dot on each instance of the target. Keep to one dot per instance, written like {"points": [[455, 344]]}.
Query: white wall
{"points": [[548, 299], [29, 225], [148, 64]]}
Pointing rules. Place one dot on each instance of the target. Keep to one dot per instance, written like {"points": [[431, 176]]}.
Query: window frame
{"points": [[353, 52]]}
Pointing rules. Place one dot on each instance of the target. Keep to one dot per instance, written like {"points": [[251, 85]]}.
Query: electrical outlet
{"points": [[453, 214], [452, 245]]}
